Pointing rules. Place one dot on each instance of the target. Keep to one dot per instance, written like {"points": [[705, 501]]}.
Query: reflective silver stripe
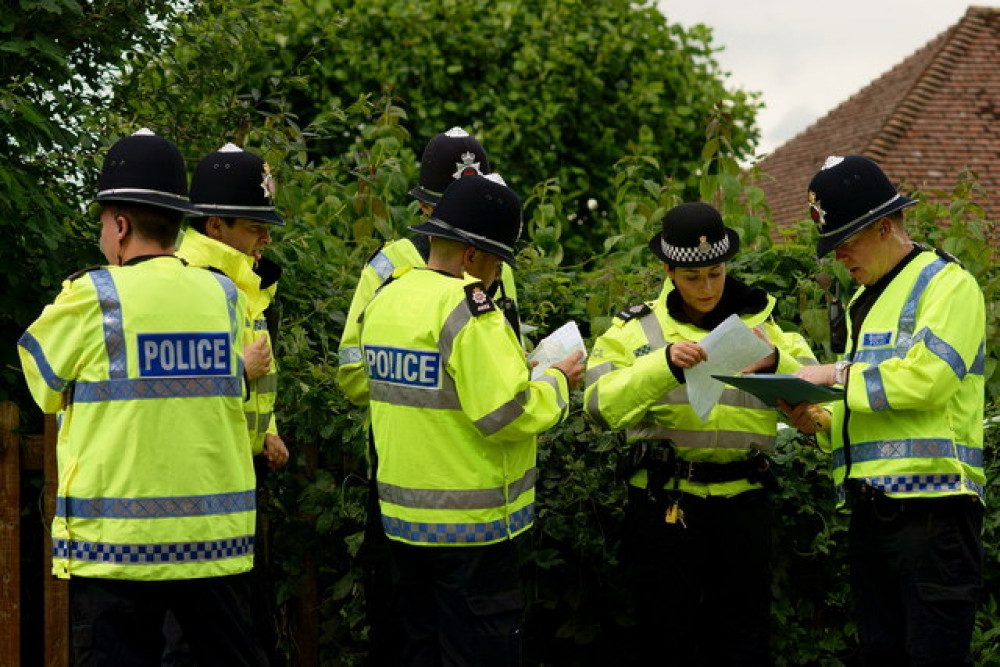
{"points": [[243, 207], [467, 235], [654, 332], [906, 448], [551, 380], [943, 351], [848, 224], [456, 499], [806, 361], [258, 422], [875, 388], [595, 373], [703, 439], [382, 265], [153, 554], [594, 408], [349, 355], [156, 508], [445, 398], [111, 313], [267, 384], [32, 346], [453, 324], [730, 397], [165, 387], [502, 416], [139, 191]]}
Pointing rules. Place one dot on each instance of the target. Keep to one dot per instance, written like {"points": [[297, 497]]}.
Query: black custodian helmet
{"points": [[480, 211], [448, 157], [145, 169], [847, 195], [234, 183]]}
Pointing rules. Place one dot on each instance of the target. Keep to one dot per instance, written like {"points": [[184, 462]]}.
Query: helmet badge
{"points": [[704, 246], [467, 166], [267, 184], [816, 212]]}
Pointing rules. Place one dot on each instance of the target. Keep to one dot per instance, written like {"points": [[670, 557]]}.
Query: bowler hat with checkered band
{"points": [[145, 169], [694, 235], [234, 183], [448, 157], [848, 194], [480, 211]]}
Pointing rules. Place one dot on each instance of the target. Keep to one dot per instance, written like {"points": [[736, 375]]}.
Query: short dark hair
{"points": [[153, 223]]}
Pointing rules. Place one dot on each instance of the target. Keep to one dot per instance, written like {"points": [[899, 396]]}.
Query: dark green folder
{"points": [[794, 390]]}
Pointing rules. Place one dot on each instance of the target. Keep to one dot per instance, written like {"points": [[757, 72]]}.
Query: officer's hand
{"points": [[806, 417], [685, 354], [257, 358], [768, 361], [275, 450], [572, 367], [817, 374]]}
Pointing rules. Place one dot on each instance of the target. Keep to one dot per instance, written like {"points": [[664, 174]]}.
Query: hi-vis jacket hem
{"points": [[454, 412], [911, 423]]}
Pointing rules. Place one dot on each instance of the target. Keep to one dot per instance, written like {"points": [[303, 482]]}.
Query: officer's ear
{"points": [[213, 227], [124, 225]]}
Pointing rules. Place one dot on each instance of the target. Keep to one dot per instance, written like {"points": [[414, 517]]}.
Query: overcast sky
{"points": [[805, 56]]}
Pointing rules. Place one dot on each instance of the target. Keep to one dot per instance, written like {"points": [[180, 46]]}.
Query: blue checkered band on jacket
{"points": [[30, 344], [458, 533], [153, 554], [156, 508], [897, 485], [111, 312], [141, 388], [681, 254]]}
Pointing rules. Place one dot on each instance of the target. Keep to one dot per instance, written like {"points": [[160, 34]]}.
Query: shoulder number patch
{"points": [[478, 300], [633, 312]]}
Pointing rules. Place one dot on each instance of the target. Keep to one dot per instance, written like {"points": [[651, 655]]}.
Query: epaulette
{"points": [[213, 270], [77, 274], [947, 256], [478, 300], [633, 312]]}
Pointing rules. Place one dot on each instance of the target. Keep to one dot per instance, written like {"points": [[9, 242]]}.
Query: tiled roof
{"points": [[926, 120]]}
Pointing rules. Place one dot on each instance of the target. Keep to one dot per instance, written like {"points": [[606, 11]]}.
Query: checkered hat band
{"points": [[219, 207], [874, 211], [679, 254]]}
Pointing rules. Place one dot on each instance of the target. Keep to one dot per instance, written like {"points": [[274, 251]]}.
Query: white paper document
{"points": [[557, 346], [730, 347]]}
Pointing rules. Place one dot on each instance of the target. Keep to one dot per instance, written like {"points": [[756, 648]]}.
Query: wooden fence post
{"points": [[10, 535], [56, 590]]}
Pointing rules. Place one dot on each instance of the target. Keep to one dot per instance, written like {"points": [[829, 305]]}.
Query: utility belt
{"points": [[659, 458]]}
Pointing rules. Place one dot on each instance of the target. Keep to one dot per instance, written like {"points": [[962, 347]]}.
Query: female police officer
{"points": [[698, 512]]}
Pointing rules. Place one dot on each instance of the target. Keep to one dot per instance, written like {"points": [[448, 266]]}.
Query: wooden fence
{"points": [[18, 454]]}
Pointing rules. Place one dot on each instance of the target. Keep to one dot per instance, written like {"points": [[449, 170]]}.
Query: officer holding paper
{"points": [[455, 418], [698, 514]]}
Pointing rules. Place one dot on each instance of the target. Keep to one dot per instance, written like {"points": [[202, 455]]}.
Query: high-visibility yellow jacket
{"points": [[391, 257], [156, 479], [912, 421], [454, 412], [629, 385], [200, 250]]}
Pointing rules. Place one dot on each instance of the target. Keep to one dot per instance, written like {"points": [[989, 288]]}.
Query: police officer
{"points": [[156, 500], [698, 516], [908, 438], [455, 415], [446, 158], [233, 191]]}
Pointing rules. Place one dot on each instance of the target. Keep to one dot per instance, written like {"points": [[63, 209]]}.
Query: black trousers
{"points": [[459, 605], [702, 591], [118, 623], [916, 575]]}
